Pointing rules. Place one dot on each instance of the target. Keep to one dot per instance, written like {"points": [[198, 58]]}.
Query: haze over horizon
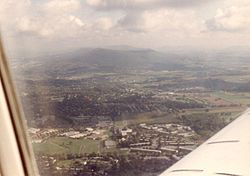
{"points": [[61, 25]]}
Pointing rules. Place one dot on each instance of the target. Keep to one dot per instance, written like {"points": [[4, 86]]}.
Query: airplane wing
{"points": [[226, 153]]}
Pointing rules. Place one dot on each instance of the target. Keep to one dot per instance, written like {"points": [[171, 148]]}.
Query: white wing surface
{"points": [[226, 153]]}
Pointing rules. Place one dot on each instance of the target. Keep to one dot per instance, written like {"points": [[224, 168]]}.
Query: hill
{"points": [[102, 60]]}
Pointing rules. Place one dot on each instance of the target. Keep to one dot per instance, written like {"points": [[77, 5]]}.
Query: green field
{"points": [[63, 145], [237, 98]]}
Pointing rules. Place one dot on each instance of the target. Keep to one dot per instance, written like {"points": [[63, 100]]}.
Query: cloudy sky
{"points": [[44, 25]]}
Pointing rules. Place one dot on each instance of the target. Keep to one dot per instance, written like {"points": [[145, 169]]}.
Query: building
{"points": [[126, 131], [146, 151], [110, 144]]}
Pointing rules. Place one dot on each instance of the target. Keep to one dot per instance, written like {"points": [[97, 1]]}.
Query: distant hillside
{"points": [[104, 60]]}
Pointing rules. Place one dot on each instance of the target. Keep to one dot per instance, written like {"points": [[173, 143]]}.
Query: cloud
{"points": [[104, 23], [143, 23], [134, 22], [231, 19], [11, 10], [54, 18], [59, 6], [141, 4], [50, 18], [76, 20], [163, 20]]}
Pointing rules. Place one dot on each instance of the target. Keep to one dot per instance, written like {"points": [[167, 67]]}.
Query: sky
{"points": [[33, 26]]}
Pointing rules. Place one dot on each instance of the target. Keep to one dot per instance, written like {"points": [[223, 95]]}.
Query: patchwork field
{"points": [[63, 145], [233, 97]]}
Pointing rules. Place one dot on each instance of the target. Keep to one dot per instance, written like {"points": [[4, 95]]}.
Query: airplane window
{"points": [[125, 87]]}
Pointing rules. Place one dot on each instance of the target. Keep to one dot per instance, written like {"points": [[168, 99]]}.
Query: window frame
{"points": [[16, 154]]}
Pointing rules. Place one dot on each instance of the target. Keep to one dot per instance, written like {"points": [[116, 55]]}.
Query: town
{"points": [[165, 143], [105, 118]]}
